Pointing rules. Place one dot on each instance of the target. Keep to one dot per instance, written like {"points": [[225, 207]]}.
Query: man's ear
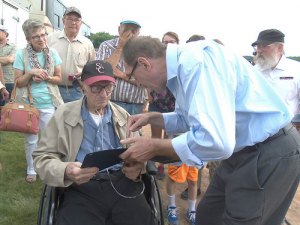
{"points": [[144, 62], [120, 29]]}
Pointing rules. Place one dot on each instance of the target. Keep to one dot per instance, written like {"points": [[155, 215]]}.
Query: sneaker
{"points": [[184, 195], [191, 217], [160, 175], [172, 216]]}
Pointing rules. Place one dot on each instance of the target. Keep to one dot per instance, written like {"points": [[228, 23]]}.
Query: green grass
{"points": [[19, 201]]}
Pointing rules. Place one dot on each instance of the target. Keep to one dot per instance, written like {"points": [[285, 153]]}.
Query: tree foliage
{"points": [[99, 37]]}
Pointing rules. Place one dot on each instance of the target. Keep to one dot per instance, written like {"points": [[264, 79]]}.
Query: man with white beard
{"points": [[281, 72]]}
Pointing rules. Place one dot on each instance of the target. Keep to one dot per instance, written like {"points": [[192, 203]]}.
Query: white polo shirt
{"points": [[285, 78]]}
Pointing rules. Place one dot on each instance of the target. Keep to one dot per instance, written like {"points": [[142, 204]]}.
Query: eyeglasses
{"points": [[38, 37], [97, 89], [261, 46], [169, 42], [70, 20], [132, 71]]}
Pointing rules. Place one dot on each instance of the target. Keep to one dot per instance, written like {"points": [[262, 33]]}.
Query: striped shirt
{"points": [[8, 71], [124, 91]]}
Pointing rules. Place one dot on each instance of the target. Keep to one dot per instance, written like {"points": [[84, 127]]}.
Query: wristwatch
{"points": [[49, 78]]}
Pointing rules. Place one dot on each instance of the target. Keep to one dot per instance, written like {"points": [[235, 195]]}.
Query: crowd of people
{"points": [[207, 106]]}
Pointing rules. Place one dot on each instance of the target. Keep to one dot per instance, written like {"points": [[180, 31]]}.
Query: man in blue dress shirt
{"points": [[226, 111]]}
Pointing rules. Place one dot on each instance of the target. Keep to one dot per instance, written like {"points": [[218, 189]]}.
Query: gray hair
{"points": [[30, 25], [143, 46]]}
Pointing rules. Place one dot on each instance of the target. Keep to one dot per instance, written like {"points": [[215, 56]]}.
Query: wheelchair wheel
{"points": [[153, 197], [48, 205]]}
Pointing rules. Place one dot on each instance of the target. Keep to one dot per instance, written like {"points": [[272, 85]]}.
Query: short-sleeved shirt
{"points": [[124, 91], [40, 93], [8, 71], [74, 54], [285, 78]]}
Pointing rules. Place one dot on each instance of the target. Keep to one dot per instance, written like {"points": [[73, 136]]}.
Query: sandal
{"points": [[30, 178]]}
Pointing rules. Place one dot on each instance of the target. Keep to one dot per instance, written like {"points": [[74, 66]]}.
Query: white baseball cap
{"points": [[3, 28]]}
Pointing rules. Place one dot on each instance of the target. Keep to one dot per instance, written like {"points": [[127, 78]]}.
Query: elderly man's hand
{"points": [[124, 37], [79, 175]]}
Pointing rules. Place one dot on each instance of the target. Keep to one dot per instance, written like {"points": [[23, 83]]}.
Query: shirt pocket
{"points": [[80, 57]]}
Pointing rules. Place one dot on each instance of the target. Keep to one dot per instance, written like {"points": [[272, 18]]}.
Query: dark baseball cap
{"points": [[72, 10], [97, 70], [269, 36]]}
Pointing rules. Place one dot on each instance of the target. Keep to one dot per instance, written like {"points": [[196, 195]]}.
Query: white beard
{"points": [[266, 63]]}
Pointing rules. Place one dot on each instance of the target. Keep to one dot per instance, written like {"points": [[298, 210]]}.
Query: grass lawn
{"points": [[19, 201]]}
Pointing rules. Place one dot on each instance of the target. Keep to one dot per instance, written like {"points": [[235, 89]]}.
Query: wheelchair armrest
{"points": [[151, 168]]}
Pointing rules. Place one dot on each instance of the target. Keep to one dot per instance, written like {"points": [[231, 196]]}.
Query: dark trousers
{"points": [[97, 203], [255, 185]]}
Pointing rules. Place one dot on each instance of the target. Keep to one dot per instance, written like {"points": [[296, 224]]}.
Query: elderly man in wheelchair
{"points": [[114, 195]]}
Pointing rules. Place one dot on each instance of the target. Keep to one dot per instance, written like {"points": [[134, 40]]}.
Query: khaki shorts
{"points": [[182, 173]]}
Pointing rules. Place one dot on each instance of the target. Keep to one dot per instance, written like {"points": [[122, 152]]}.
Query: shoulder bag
{"points": [[20, 117]]}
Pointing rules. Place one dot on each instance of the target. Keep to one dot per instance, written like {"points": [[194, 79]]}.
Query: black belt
{"points": [[66, 86], [110, 175], [283, 131]]}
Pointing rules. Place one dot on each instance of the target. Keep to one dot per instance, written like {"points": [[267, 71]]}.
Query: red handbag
{"points": [[20, 117]]}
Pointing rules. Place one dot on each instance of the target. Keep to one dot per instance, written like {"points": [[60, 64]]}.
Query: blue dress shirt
{"points": [[98, 138], [223, 104]]}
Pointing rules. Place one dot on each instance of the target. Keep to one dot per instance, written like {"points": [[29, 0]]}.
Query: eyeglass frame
{"points": [[132, 71], [107, 92], [76, 20], [39, 37], [169, 42], [262, 46]]}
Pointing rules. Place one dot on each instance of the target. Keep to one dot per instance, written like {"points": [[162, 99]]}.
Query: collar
{"points": [[172, 61], [74, 113], [79, 37], [85, 112], [282, 64]]}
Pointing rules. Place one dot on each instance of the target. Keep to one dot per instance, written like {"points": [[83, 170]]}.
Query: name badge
{"points": [[286, 78]]}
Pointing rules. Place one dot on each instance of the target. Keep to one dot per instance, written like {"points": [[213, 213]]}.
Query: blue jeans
{"points": [[70, 94], [131, 108], [9, 87]]}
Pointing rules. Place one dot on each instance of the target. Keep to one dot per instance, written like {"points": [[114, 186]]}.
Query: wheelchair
{"points": [[52, 197]]}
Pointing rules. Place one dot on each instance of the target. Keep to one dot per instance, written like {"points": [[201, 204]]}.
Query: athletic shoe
{"points": [[172, 216], [191, 217]]}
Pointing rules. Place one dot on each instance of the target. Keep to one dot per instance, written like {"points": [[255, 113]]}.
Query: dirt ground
{"points": [[293, 214]]}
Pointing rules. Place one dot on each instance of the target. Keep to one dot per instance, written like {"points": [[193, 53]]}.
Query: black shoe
{"points": [[184, 195]]}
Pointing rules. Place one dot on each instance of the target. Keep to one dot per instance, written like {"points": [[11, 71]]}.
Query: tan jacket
{"points": [[61, 140]]}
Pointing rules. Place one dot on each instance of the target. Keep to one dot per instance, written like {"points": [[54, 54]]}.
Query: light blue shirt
{"points": [[223, 104], [39, 91], [98, 138]]}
